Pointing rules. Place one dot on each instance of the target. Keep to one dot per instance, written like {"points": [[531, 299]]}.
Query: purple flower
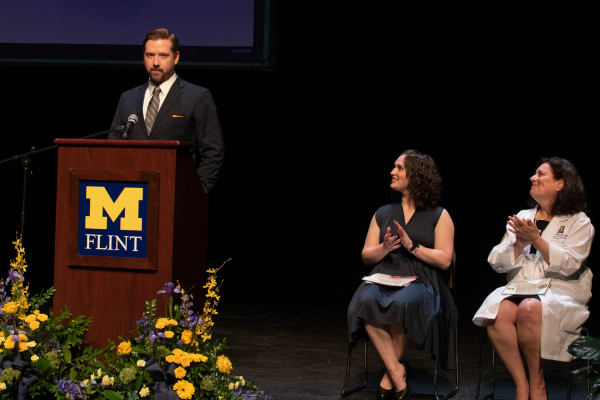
{"points": [[70, 387], [162, 335], [153, 336], [14, 275], [236, 392], [168, 289], [179, 343]]}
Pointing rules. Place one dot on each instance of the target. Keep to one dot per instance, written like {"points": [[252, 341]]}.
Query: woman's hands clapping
{"points": [[390, 243], [404, 239], [524, 229]]}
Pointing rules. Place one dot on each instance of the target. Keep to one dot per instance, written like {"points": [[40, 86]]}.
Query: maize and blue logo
{"points": [[113, 219]]}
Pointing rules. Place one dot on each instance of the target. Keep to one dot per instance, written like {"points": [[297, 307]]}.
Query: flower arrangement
{"points": [[35, 348], [172, 358]]}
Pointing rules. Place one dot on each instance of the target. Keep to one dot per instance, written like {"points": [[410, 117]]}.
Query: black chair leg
{"points": [[455, 390], [346, 393]]}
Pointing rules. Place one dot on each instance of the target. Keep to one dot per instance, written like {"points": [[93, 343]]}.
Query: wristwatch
{"points": [[415, 247]]}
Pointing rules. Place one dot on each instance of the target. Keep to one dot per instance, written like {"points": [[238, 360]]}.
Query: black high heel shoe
{"points": [[405, 393], [385, 394]]}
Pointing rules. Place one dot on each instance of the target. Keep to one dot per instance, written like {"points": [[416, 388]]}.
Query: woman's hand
{"points": [[524, 229], [390, 243], [403, 237]]}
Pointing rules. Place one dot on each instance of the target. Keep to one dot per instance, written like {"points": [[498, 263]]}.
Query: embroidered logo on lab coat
{"points": [[561, 233]]}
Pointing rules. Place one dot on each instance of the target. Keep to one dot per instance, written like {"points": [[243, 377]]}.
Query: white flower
{"points": [[99, 374], [243, 382], [2, 339], [237, 385], [2, 386], [106, 380], [141, 363], [31, 344], [34, 358], [112, 381], [231, 386]]}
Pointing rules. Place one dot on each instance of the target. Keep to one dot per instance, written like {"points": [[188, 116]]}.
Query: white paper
{"points": [[528, 288], [388, 280]]}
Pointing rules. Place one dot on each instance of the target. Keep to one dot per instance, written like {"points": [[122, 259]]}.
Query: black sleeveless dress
{"points": [[425, 309]]}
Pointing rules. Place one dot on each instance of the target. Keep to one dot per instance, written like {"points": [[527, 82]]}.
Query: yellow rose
{"points": [[179, 373], [186, 336], [178, 352], [23, 346], [177, 359], [36, 312], [144, 392], [11, 308], [22, 338], [161, 323], [173, 322], [106, 380], [34, 325], [34, 358], [224, 365], [9, 343], [125, 347], [42, 317], [2, 386], [169, 334], [30, 318], [170, 358], [141, 363]]}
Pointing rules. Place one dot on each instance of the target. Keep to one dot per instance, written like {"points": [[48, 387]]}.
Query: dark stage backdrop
{"points": [[309, 147]]}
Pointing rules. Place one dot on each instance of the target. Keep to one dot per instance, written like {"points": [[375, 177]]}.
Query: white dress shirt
{"points": [[164, 91]]}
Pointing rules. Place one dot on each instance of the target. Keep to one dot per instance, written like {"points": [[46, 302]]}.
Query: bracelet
{"points": [[415, 247]]}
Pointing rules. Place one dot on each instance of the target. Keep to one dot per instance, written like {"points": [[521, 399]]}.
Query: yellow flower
{"points": [[34, 358], [205, 336], [22, 338], [177, 359], [9, 343], [141, 363], [161, 323], [112, 381], [36, 312], [34, 325], [11, 308], [186, 336], [144, 392], [231, 387], [178, 352], [22, 346], [185, 360], [106, 380], [31, 344], [224, 365], [30, 318], [42, 317], [125, 347], [170, 358], [169, 334], [179, 372], [185, 390], [2, 386], [237, 385], [173, 322], [199, 358], [99, 373]]}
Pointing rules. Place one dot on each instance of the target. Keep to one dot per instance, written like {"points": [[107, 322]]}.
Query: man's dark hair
{"points": [[570, 199], [162, 33], [425, 182]]}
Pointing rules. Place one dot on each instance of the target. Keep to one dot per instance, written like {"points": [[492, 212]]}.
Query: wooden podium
{"points": [[108, 260]]}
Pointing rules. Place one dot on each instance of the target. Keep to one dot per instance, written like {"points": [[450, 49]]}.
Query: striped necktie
{"points": [[152, 109]]}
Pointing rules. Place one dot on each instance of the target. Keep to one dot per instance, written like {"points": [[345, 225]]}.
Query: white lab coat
{"points": [[564, 306]]}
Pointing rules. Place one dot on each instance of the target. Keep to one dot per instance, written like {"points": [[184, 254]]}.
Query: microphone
{"points": [[129, 126]]}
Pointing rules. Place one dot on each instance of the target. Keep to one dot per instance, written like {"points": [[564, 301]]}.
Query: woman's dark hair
{"points": [[571, 198], [424, 180]]}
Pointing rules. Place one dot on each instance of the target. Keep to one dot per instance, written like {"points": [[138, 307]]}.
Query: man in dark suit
{"points": [[169, 108]]}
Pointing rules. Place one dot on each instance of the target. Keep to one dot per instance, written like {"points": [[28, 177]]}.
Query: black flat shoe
{"points": [[405, 393], [385, 394]]}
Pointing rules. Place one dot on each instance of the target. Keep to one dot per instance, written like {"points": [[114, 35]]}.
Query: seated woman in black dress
{"points": [[412, 237]]}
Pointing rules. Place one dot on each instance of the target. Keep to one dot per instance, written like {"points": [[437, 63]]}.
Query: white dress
{"points": [[564, 306]]}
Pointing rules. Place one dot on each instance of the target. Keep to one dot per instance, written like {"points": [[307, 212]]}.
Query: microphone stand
{"points": [[26, 162]]}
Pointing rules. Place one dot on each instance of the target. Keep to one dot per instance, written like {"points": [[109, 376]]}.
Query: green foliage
{"points": [[151, 307], [588, 348], [42, 298], [10, 376]]}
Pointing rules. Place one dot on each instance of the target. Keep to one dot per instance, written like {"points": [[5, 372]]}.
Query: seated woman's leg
{"points": [[503, 334], [529, 334], [390, 342]]}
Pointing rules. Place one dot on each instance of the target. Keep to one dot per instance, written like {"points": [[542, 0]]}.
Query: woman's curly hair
{"points": [[570, 199], [424, 180]]}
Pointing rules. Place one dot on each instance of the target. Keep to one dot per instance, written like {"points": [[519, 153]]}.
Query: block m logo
{"points": [[128, 200]]}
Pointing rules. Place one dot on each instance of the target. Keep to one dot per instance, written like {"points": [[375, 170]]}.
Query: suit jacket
{"points": [[188, 114]]}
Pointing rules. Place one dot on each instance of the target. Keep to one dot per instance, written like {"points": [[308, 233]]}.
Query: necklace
{"points": [[538, 212]]}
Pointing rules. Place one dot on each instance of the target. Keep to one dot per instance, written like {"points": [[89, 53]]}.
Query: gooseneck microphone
{"points": [[129, 126]]}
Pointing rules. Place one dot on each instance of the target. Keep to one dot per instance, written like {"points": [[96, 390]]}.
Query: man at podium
{"points": [[169, 108]]}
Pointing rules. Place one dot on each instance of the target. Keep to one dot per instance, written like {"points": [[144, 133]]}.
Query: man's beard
{"points": [[159, 77]]}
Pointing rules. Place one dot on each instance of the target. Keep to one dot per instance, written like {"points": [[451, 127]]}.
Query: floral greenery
{"points": [[588, 348], [172, 357]]}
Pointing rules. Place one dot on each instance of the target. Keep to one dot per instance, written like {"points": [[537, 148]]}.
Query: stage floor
{"points": [[295, 352]]}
